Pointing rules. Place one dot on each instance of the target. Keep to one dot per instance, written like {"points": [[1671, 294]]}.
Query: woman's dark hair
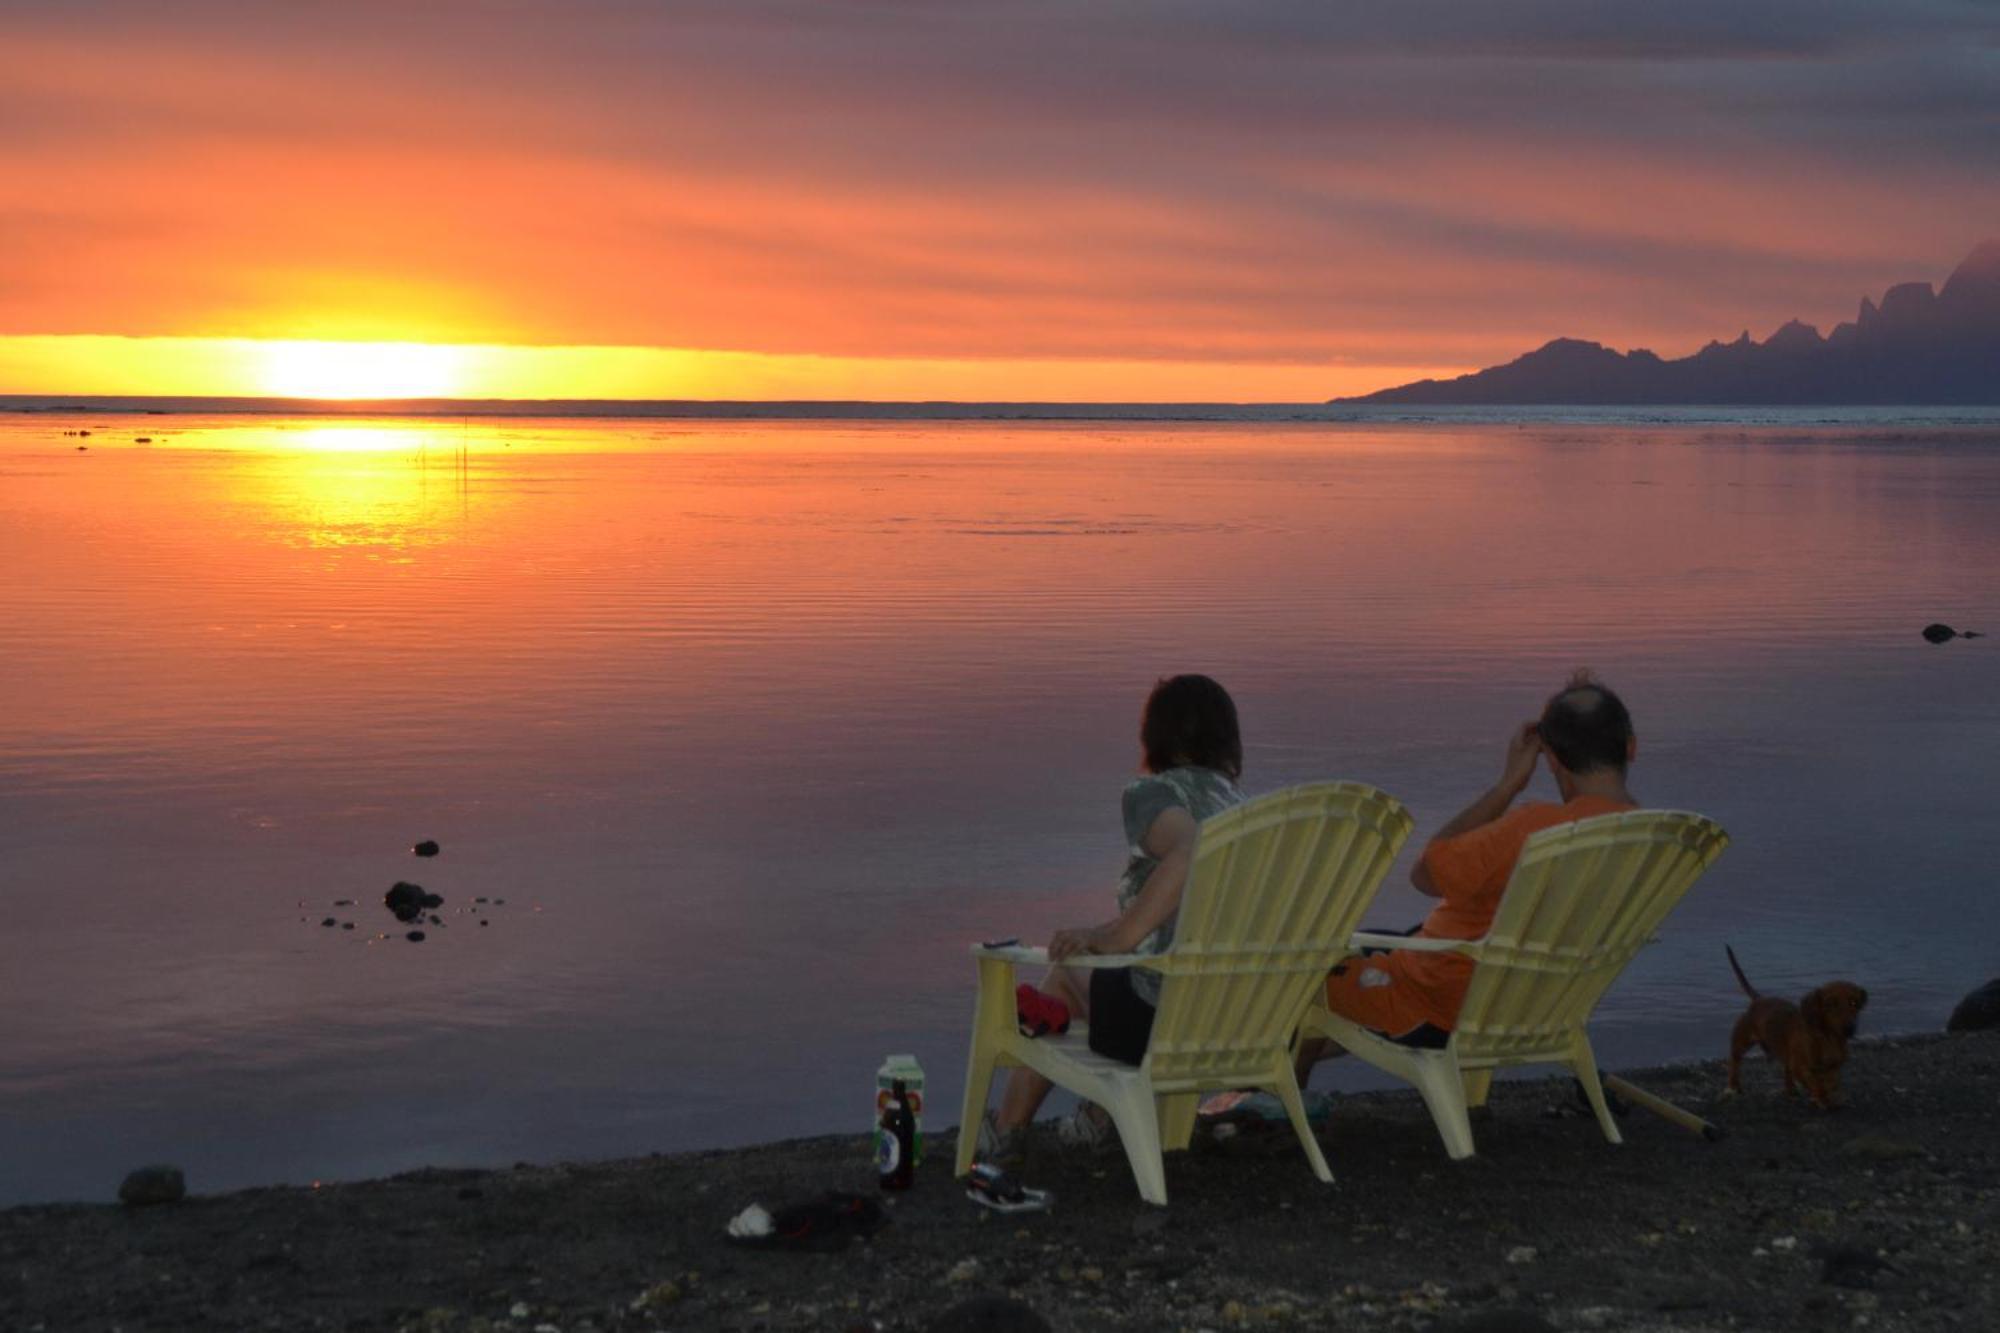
{"points": [[1191, 720], [1585, 726]]}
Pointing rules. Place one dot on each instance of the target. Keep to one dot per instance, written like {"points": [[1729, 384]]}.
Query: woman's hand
{"points": [[1068, 943]]}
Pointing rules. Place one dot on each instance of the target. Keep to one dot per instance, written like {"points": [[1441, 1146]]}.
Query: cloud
{"points": [[1289, 182]]}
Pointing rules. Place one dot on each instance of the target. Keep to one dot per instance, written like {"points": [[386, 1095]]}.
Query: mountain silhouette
{"points": [[1917, 347]]}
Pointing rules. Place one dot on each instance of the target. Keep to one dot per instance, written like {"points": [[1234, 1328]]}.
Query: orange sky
{"points": [[861, 198]]}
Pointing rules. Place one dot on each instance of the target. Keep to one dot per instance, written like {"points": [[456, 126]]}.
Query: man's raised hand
{"points": [[1524, 747]]}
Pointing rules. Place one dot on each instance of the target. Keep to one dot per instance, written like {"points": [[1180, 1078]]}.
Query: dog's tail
{"points": [[1741, 980]]}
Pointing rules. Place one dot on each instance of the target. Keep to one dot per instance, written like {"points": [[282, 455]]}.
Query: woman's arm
{"points": [[1171, 838]]}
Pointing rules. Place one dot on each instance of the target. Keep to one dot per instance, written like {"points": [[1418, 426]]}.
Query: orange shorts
{"points": [[1373, 995]]}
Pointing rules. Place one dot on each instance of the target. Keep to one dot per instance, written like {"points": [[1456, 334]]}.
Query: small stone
{"points": [[343, 902], [1785, 1242], [1501, 1321], [347, 925], [151, 1185], [1881, 1148], [1091, 1273], [329, 922], [425, 848], [519, 1310], [965, 1270], [1522, 1254], [415, 937], [656, 1296], [989, 1314]]}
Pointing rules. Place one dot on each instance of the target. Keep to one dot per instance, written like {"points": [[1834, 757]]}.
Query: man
{"points": [[1585, 735]]}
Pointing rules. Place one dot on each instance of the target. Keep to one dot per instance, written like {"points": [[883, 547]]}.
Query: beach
{"points": [[1880, 1215]]}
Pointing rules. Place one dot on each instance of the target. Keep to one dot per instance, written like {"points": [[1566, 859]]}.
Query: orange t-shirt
{"points": [[1470, 872]]}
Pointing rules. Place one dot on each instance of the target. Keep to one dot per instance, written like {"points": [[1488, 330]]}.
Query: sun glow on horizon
{"points": [[353, 370], [344, 370]]}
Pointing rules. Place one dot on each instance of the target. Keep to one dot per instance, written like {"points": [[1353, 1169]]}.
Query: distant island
{"points": [[1917, 347]]}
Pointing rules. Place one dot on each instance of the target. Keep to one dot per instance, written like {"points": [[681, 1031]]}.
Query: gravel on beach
{"points": [[1884, 1216]]}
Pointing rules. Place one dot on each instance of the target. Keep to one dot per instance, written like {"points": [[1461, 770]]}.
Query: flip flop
{"points": [[825, 1223], [1263, 1108], [990, 1187]]}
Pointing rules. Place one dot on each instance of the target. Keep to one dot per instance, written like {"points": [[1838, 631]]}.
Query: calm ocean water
{"points": [[755, 724]]}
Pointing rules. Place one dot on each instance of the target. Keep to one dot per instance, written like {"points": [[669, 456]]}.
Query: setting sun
{"points": [[302, 369]]}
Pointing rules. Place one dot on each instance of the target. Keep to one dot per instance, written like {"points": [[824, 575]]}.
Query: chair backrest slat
{"points": [[1277, 886], [1583, 899]]}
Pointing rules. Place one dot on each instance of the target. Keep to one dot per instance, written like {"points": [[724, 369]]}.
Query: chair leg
{"points": [[1176, 1112], [1443, 1091], [1133, 1112], [978, 1086], [1287, 1088], [1584, 1065], [995, 1004], [1477, 1083]]}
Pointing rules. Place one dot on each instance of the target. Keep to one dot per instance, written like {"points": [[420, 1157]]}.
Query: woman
{"points": [[1192, 756]]}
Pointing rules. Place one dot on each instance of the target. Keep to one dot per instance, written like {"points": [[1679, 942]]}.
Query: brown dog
{"points": [[1808, 1039]]}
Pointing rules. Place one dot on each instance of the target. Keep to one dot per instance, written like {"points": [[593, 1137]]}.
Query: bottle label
{"points": [[888, 1154]]}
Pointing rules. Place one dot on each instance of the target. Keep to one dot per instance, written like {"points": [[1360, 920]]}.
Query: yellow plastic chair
{"points": [[1277, 886], [1583, 899]]}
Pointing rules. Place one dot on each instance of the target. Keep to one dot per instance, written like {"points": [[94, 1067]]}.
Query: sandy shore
{"points": [[1883, 1216]]}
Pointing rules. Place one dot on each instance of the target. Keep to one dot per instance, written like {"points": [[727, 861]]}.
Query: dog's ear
{"points": [[1860, 999], [1813, 1008]]}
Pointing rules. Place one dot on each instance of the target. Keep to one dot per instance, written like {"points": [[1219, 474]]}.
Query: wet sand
{"points": [[1883, 1215]]}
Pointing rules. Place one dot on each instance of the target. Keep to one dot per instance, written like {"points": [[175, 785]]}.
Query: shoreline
{"points": [[1881, 1215]]}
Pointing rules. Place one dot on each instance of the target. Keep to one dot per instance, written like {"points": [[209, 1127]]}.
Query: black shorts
{"points": [[1121, 1023]]}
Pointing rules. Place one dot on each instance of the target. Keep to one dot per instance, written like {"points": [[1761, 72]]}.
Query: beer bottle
{"points": [[896, 1152]]}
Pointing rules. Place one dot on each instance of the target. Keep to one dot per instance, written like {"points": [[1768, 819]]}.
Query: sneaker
{"points": [[1004, 1147], [1087, 1128]]}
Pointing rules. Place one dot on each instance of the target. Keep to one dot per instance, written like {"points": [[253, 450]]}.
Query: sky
{"points": [[1026, 199]]}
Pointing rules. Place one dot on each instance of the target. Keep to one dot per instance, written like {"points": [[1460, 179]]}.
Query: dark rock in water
{"points": [[151, 1185], [1978, 1011], [142, 439], [343, 902], [485, 923], [425, 848], [436, 920], [347, 925], [990, 1314], [1937, 633], [328, 922], [410, 901], [415, 937], [83, 448]]}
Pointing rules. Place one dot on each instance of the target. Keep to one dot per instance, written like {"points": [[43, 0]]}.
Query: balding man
{"points": [[1585, 735]]}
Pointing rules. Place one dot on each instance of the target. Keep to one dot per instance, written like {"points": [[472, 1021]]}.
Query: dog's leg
{"points": [[1739, 1042]]}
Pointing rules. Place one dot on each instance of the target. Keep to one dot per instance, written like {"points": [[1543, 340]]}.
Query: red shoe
{"points": [[1039, 1014]]}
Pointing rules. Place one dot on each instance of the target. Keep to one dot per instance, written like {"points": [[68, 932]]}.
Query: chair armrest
{"points": [[1039, 957], [1362, 939]]}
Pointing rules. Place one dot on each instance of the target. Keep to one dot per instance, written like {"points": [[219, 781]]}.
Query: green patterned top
{"points": [[1199, 791]]}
